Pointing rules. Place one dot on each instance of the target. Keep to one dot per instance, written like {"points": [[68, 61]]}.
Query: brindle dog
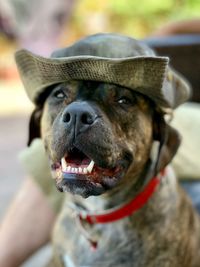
{"points": [[112, 129]]}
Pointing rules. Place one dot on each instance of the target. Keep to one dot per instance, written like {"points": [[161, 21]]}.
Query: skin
{"points": [[23, 231]]}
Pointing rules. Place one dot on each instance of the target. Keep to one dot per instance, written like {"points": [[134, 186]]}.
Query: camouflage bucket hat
{"points": [[110, 58]]}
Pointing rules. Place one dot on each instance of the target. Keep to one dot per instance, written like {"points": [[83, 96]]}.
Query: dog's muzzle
{"points": [[89, 161]]}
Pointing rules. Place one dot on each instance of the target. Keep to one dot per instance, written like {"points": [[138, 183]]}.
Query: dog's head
{"points": [[100, 105], [99, 135]]}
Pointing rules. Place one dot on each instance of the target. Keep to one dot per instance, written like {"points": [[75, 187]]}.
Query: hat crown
{"points": [[109, 58], [105, 45]]}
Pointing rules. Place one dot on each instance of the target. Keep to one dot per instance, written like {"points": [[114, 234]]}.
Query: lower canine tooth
{"points": [[90, 166], [64, 164], [85, 170]]}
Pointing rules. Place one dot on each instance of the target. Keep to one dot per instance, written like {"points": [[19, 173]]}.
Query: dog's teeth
{"points": [[74, 170], [81, 170], [68, 169], [85, 170], [64, 164], [90, 166]]}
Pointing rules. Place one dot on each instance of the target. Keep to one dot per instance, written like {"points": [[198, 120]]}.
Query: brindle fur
{"points": [[166, 231]]}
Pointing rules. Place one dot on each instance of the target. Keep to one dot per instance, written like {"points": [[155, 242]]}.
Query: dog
{"points": [[109, 148]]}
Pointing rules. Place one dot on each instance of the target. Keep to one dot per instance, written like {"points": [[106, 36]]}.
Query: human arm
{"points": [[27, 225]]}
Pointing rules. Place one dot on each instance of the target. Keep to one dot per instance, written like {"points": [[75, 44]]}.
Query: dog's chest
{"points": [[118, 244]]}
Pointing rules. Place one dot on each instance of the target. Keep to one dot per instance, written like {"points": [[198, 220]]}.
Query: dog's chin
{"points": [[93, 184], [80, 186]]}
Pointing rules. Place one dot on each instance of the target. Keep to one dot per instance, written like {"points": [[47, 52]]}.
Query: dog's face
{"points": [[95, 135]]}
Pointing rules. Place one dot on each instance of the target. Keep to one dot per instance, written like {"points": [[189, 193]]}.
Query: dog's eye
{"points": [[124, 101], [59, 94]]}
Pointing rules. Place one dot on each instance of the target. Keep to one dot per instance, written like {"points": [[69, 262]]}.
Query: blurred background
{"points": [[43, 25]]}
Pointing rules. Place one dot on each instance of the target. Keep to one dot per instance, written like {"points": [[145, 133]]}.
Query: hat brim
{"points": [[143, 74]]}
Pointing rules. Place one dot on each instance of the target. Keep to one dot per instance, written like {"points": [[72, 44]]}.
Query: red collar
{"points": [[126, 210]]}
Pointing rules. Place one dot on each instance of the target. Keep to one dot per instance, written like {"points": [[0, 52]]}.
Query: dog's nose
{"points": [[79, 116]]}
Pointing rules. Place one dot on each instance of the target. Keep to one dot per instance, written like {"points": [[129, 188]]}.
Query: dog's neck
{"points": [[106, 206], [120, 195]]}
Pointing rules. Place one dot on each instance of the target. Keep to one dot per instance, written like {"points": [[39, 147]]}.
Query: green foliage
{"points": [[148, 15], [142, 7], [133, 17]]}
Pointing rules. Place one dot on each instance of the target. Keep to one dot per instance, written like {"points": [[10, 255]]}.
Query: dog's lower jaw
{"points": [[85, 186], [88, 181], [108, 182], [83, 190]]}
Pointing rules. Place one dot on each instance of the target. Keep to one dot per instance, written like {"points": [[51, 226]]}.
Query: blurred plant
{"points": [[132, 17]]}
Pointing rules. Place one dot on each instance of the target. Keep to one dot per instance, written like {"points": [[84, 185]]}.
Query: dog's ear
{"points": [[169, 139], [34, 125]]}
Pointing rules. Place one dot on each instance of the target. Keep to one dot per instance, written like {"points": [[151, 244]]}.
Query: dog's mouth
{"points": [[79, 174]]}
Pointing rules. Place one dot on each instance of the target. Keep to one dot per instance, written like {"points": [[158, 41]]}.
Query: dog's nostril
{"points": [[87, 118], [83, 118], [67, 117]]}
